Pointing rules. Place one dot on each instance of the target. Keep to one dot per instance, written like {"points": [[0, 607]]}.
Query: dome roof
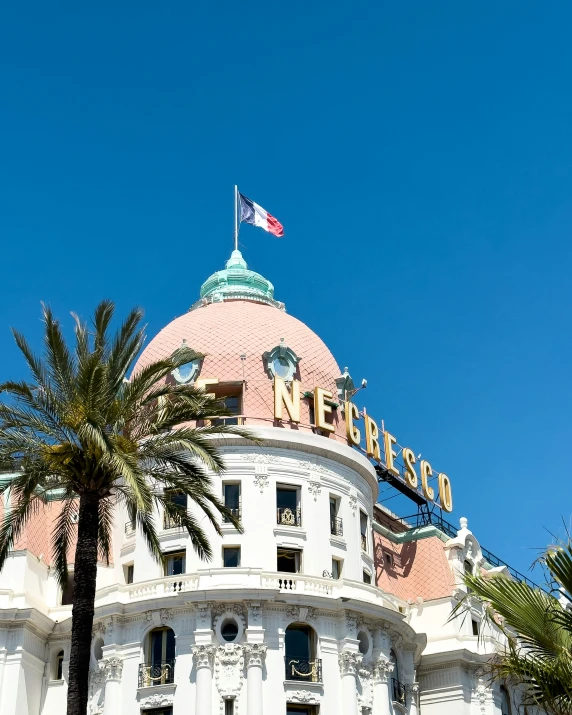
{"points": [[234, 335]]}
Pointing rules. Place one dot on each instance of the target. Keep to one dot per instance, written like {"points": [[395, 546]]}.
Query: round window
{"points": [[229, 630], [363, 642]]}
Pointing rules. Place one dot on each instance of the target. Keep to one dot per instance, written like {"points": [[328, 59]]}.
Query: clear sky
{"points": [[419, 155]]}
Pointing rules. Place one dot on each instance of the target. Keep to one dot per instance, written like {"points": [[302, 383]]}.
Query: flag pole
{"points": [[235, 217]]}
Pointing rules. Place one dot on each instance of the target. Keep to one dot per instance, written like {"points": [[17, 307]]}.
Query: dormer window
{"points": [[281, 362], [188, 373]]}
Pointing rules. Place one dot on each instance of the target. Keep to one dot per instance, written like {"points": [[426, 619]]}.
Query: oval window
{"points": [[229, 631]]}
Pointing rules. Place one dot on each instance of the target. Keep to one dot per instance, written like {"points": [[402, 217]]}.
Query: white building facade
{"points": [[311, 610]]}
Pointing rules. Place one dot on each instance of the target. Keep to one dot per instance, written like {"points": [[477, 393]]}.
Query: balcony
{"points": [[170, 523], [336, 526], [160, 673], [397, 692], [303, 669], [235, 512], [129, 528], [363, 542], [289, 517]]}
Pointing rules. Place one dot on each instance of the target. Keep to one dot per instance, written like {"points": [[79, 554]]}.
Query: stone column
{"points": [[112, 668], [413, 698], [349, 663], [204, 660], [254, 655], [381, 693]]}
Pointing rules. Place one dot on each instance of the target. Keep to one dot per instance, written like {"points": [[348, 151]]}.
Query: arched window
{"points": [[301, 661], [59, 666], [505, 701], [159, 665]]}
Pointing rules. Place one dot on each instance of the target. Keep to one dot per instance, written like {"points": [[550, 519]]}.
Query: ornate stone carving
{"points": [[365, 677], [112, 667], [351, 624], [481, 689], [157, 700], [261, 476], [262, 458], [229, 667], [166, 614], [303, 696], [149, 615], [349, 662], [382, 670], [254, 613], [315, 489], [204, 616], [204, 656], [255, 654], [353, 503]]}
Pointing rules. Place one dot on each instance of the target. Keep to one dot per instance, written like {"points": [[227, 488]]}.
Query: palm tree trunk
{"points": [[85, 573]]}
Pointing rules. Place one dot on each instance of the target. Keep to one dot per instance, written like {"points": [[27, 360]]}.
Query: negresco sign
{"points": [[290, 400]]}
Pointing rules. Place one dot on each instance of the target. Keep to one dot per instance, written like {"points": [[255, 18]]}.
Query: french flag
{"points": [[257, 216]]}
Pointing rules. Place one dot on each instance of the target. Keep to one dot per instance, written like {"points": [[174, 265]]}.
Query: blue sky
{"points": [[418, 154]]}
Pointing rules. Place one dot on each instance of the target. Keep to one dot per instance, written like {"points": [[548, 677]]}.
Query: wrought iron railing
{"points": [[158, 673], [398, 691], [363, 542], [169, 522], [289, 517], [235, 512], [304, 669], [129, 528], [336, 526]]}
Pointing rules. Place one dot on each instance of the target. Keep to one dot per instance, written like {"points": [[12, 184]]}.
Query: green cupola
{"points": [[236, 282]]}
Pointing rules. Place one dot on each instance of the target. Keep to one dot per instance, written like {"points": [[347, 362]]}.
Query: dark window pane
{"points": [[288, 561], [298, 642], [286, 499], [130, 573], [231, 557], [170, 645], [67, 593], [366, 577], [232, 496]]}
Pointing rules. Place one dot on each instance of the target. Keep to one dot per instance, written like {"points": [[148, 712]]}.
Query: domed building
{"points": [[325, 604]]}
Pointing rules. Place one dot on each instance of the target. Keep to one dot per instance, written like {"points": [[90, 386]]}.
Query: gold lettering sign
{"points": [[445, 496], [371, 439], [321, 409], [410, 473], [352, 433], [389, 440], [426, 472], [290, 400]]}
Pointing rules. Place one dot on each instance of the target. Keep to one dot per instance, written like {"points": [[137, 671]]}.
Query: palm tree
{"points": [[538, 631], [82, 433]]}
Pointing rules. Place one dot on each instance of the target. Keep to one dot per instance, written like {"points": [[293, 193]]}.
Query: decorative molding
{"points": [[481, 689], [261, 477], [113, 667], [157, 700], [204, 656], [349, 662], [303, 696], [262, 458], [229, 669], [166, 614], [315, 489], [365, 674], [353, 503], [382, 670], [255, 654]]}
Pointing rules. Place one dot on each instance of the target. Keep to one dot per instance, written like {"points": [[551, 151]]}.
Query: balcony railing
{"points": [[170, 522], [289, 517], [398, 691], [363, 542], [159, 673], [235, 512], [129, 528], [309, 671], [336, 526]]}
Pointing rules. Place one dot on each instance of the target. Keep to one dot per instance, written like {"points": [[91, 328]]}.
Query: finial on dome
{"points": [[236, 260], [464, 522]]}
